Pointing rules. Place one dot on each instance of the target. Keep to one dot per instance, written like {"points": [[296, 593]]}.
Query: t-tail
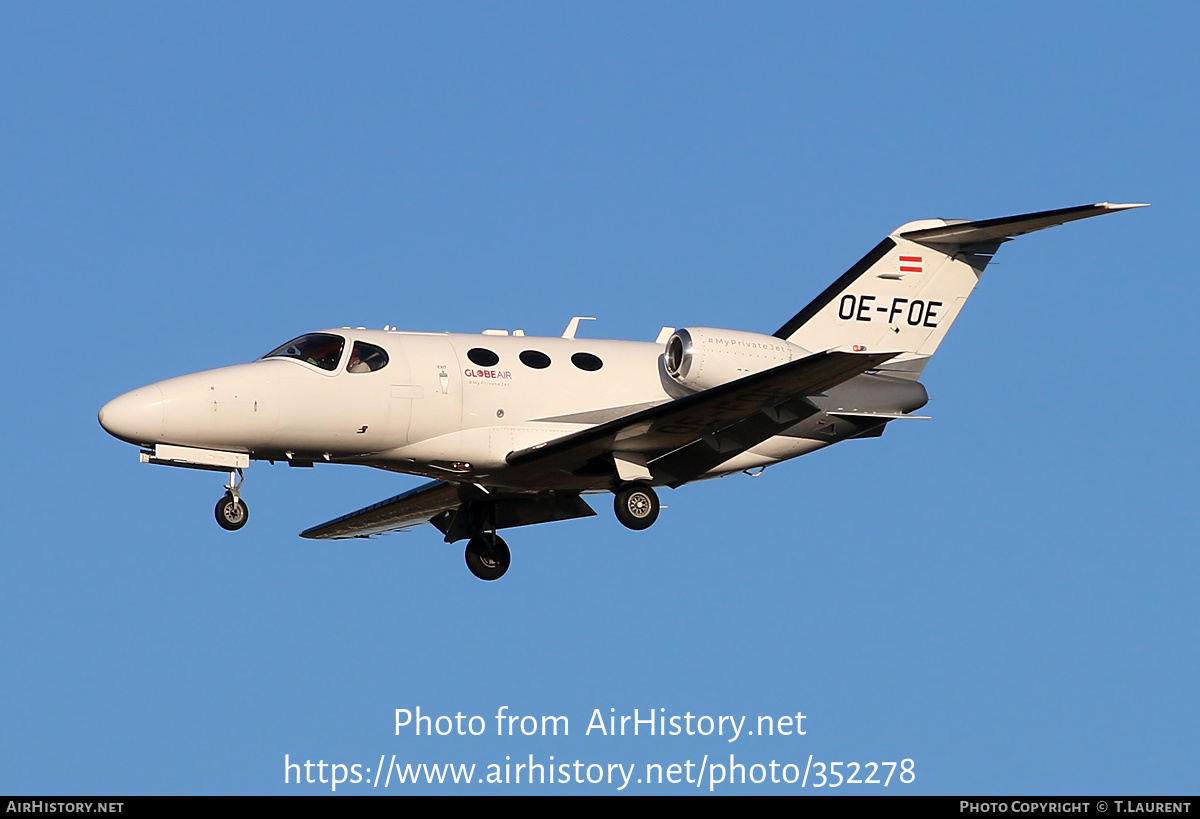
{"points": [[907, 291]]}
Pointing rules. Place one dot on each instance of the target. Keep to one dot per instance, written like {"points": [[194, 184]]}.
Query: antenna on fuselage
{"points": [[574, 325]]}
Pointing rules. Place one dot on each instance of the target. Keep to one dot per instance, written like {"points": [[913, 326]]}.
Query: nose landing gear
{"points": [[232, 513], [231, 510]]}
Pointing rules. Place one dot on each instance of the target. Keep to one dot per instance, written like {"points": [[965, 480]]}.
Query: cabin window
{"points": [[586, 361], [321, 349], [366, 358], [535, 359], [483, 357]]}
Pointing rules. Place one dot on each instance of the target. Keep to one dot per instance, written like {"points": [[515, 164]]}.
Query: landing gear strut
{"points": [[636, 505], [231, 510], [487, 556]]}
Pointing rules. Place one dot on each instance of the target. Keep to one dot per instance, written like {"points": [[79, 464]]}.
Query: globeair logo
{"points": [[501, 374]]}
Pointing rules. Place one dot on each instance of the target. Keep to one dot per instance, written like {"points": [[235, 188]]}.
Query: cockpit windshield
{"points": [[321, 349]]}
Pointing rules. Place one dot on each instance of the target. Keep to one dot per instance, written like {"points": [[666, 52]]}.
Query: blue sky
{"points": [[1004, 595]]}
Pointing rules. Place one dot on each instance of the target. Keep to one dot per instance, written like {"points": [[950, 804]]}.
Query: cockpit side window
{"points": [[366, 358], [322, 349]]}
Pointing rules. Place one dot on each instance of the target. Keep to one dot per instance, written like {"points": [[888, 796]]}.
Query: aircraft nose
{"points": [[135, 417]]}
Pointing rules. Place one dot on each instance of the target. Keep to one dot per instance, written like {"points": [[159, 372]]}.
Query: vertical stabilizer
{"points": [[906, 292]]}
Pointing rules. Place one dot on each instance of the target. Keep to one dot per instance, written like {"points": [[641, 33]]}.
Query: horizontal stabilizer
{"points": [[1007, 227]]}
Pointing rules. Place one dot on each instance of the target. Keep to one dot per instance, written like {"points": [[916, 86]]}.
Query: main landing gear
{"points": [[231, 510], [636, 505], [487, 556]]}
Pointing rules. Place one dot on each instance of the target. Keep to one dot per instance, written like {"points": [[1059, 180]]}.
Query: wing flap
{"points": [[403, 511], [693, 460]]}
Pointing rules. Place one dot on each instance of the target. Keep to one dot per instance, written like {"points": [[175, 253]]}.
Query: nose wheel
{"points": [[231, 510], [487, 556], [636, 505], [232, 513]]}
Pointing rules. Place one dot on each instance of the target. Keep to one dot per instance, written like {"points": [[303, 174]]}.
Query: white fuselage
{"points": [[513, 429], [431, 410]]}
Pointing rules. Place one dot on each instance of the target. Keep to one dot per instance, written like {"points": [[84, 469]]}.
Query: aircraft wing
{"points": [[683, 439], [404, 511]]}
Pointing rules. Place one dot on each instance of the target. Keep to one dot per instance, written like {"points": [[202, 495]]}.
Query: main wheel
{"points": [[487, 556], [232, 514], [636, 506]]}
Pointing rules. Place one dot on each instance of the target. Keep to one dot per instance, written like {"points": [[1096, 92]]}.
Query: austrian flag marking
{"points": [[910, 264]]}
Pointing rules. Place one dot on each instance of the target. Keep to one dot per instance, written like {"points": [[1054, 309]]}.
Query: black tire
{"points": [[487, 556], [231, 515], [636, 506]]}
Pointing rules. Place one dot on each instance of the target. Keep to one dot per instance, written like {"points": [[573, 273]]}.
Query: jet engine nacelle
{"points": [[703, 357]]}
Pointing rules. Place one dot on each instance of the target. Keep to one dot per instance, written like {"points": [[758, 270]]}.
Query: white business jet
{"points": [[513, 429]]}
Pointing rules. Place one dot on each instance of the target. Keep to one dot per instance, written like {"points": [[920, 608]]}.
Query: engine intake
{"points": [[703, 357]]}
